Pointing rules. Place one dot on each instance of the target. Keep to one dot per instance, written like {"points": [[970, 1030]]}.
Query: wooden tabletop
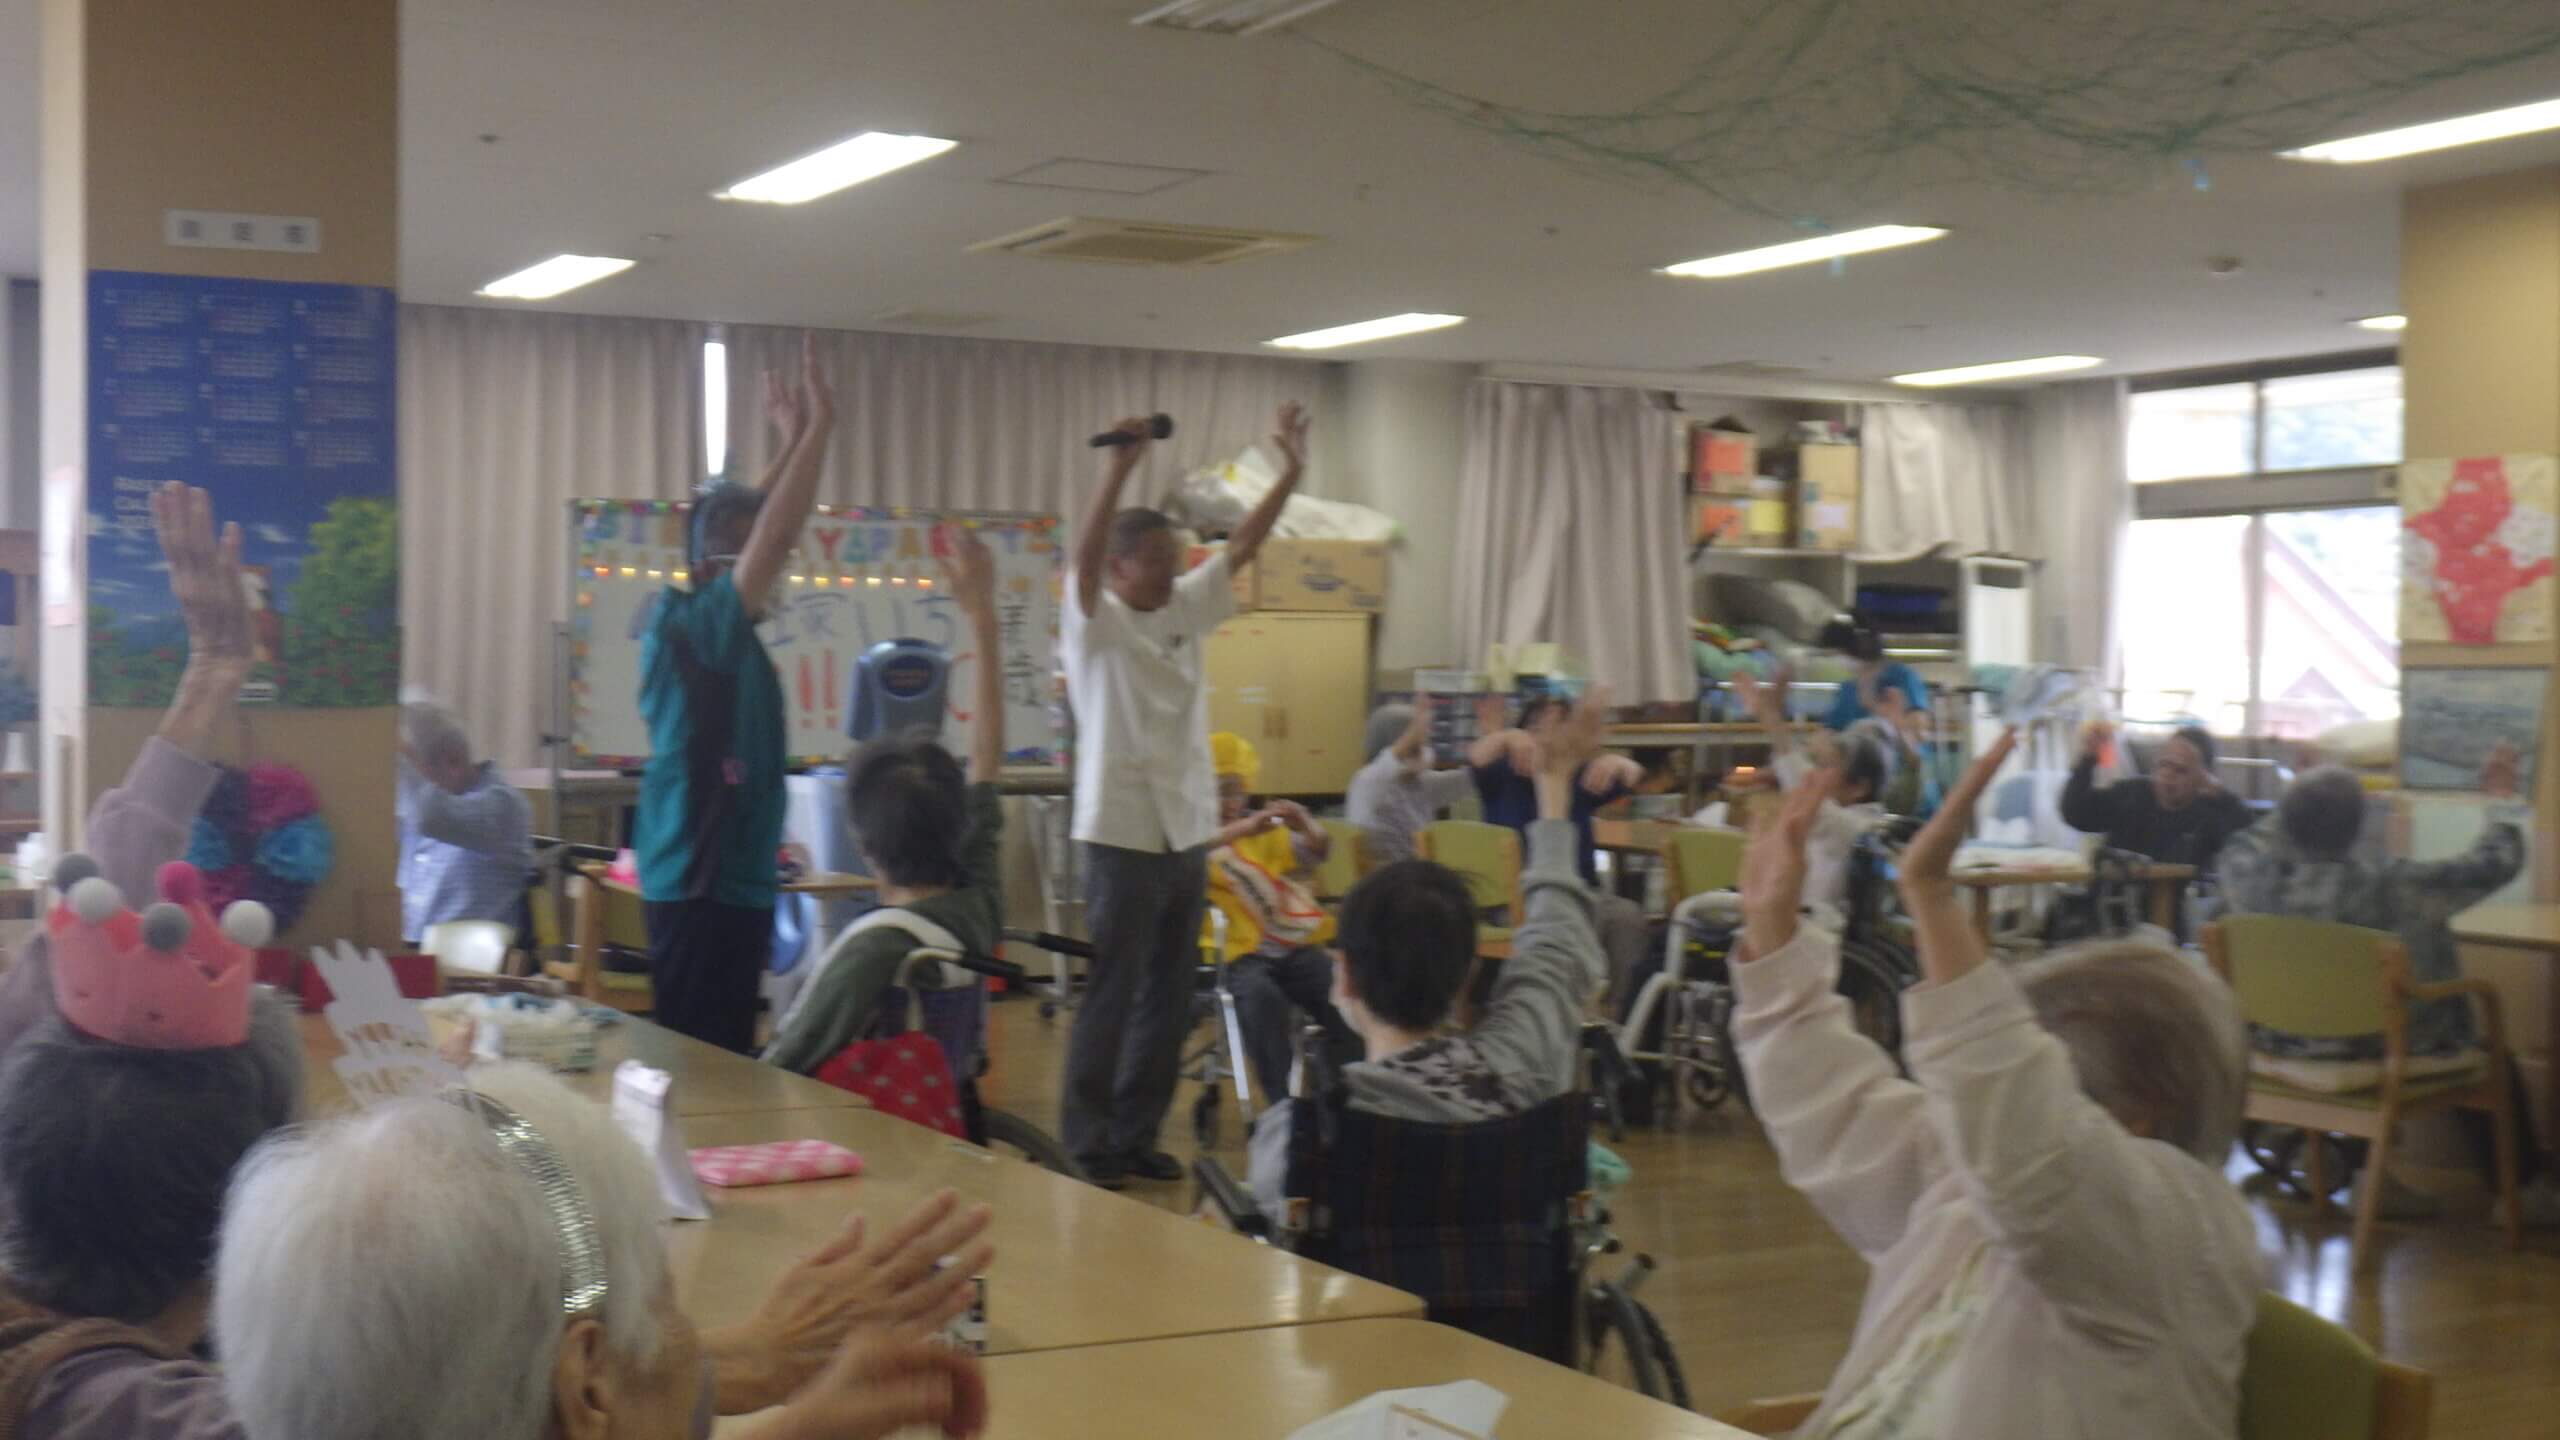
{"points": [[2527, 927], [1635, 837], [1992, 877], [1264, 1384], [1074, 1265], [708, 1079]]}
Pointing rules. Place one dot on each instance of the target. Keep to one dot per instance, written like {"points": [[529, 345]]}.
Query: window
{"points": [[2281, 623], [2330, 420]]}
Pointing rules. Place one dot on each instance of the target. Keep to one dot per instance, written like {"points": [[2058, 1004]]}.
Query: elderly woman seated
{"points": [[2054, 1251], [489, 1264]]}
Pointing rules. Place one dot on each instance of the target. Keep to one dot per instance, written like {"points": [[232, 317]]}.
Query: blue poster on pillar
{"points": [[277, 398]]}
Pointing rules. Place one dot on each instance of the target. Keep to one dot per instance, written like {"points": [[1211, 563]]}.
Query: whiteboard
{"points": [[860, 576]]}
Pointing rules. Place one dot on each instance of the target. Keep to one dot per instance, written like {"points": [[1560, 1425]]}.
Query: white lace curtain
{"points": [[1951, 478]]}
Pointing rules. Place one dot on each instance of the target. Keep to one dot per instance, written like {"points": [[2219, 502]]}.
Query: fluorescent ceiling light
{"points": [[2383, 322], [1804, 252], [1229, 17], [1999, 370], [1365, 331], [866, 156], [556, 276], [2435, 135]]}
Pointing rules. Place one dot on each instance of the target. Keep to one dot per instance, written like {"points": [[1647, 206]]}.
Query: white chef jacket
{"points": [[1143, 780]]}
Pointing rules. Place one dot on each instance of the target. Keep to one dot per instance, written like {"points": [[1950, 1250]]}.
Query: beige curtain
{"points": [[1950, 479], [2082, 501], [1569, 529], [955, 424], [504, 418]]}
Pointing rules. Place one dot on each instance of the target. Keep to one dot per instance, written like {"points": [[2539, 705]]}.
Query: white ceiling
{"points": [[616, 118]]}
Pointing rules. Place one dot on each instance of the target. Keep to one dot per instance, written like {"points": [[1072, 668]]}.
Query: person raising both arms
{"points": [[1146, 803], [711, 799], [2180, 815]]}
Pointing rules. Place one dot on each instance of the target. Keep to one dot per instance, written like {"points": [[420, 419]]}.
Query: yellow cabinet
{"points": [[1297, 686]]}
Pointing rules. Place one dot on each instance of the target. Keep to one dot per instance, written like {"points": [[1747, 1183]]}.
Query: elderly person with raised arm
{"points": [[2053, 1248], [490, 1264], [466, 835]]}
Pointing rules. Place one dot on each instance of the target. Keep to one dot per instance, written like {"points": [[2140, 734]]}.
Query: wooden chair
{"points": [[1344, 863], [1488, 856], [2302, 1376], [2317, 979], [1703, 858], [589, 900]]}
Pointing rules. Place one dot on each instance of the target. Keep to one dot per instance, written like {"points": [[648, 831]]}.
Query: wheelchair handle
{"points": [[1004, 970], [1054, 944]]}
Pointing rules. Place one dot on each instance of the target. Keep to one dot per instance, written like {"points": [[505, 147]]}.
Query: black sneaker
{"points": [[1152, 1165], [1107, 1173]]}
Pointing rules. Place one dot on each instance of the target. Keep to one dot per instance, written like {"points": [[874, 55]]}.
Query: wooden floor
{"points": [[1759, 1298]]}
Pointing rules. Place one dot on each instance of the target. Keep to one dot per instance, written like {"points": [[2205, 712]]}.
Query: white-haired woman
{"points": [[2054, 1250], [489, 1264]]}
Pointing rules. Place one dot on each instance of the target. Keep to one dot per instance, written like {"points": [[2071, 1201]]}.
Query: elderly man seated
{"points": [[2054, 1250], [490, 1264]]}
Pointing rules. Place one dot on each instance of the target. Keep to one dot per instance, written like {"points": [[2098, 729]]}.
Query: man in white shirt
{"points": [[1146, 802]]}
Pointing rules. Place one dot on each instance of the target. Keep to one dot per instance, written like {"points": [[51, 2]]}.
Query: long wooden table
{"points": [[2166, 882], [1075, 1266], [1263, 1384], [708, 1079], [2534, 930]]}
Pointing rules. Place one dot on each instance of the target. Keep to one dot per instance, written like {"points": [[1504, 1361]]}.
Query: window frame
{"points": [[2329, 487]]}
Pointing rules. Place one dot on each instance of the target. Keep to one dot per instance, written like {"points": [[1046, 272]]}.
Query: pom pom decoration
{"points": [[208, 847], [96, 898], [278, 795], [71, 869], [165, 927], [260, 838], [248, 923]]}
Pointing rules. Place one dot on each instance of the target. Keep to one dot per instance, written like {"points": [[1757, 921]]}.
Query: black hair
{"points": [[2200, 738], [114, 1159], [715, 511], [1854, 638], [1536, 706], [1132, 526], [909, 804], [1408, 938], [2323, 812]]}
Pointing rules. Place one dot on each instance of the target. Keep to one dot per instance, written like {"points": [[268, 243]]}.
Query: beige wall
{"points": [[284, 107]]}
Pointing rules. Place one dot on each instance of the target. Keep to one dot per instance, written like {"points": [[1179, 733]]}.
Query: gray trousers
{"points": [[1124, 1056]]}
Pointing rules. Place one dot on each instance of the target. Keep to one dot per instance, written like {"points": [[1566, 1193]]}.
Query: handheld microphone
{"points": [[1158, 428]]}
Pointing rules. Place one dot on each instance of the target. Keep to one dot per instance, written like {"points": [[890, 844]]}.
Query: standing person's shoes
{"points": [[1106, 1173], [1152, 1165]]}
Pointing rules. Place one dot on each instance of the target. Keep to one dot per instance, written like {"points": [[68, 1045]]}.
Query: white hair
{"points": [[435, 732], [393, 1274], [2153, 1036]]}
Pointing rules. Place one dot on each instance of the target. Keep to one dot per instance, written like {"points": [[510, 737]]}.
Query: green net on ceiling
{"points": [[1816, 109]]}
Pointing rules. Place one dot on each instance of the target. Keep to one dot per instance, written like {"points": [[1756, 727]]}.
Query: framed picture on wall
{"points": [[2452, 716]]}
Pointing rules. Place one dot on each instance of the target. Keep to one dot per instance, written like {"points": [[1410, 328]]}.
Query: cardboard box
{"points": [[1720, 516], [1769, 515], [1827, 497], [1322, 575], [1722, 462]]}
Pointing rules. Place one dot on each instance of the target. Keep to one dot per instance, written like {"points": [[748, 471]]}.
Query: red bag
{"points": [[906, 1075]]}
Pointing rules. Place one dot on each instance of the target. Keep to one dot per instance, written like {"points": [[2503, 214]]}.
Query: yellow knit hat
{"points": [[1232, 754]]}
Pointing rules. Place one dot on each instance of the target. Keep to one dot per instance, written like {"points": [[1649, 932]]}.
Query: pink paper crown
{"points": [[169, 978]]}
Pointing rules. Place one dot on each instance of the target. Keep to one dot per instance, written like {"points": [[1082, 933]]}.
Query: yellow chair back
{"points": [[1487, 856], [1704, 858], [1344, 863], [2305, 977]]}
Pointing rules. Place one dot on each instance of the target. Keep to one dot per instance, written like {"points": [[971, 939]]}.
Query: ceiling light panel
{"points": [[866, 156], [2383, 322], [556, 276], [2434, 135], [1230, 17], [1809, 251], [1999, 370], [1385, 328]]}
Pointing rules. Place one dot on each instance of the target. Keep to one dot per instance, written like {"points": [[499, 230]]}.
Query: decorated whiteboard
{"points": [[2476, 549], [861, 576]]}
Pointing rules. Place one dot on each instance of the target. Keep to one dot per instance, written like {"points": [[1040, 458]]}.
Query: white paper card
{"points": [[1460, 1410], [640, 1108], [390, 1051]]}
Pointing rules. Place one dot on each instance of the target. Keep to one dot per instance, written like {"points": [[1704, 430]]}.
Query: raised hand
{"points": [[784, 407], [1492, 715], [1291, 435], [1576, 738], [2094, 738], [204, 575], [2499, 774], [1927, 866], [1773, 864], [881, 1384], [969, 569]]}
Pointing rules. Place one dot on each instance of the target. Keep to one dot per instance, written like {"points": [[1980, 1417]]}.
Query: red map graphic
{"points": [[2475, 572]]}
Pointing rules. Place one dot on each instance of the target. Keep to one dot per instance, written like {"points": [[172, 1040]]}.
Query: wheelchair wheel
{"points": [[1048, 1009], [1015, 1136], [2279, 1151], [1204, 1118], [1706, 1088], [1627, 1347], [1872, 976]]}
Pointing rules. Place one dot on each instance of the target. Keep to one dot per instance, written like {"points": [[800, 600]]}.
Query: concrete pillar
{"points": [[286, 111]]}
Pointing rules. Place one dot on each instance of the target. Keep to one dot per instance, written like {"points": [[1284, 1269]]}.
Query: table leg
{"points": [[588, 929], [2164, 903]]}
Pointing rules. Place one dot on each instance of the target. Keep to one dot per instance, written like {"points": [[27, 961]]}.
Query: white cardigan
{"points": [[2119, 1276]]}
